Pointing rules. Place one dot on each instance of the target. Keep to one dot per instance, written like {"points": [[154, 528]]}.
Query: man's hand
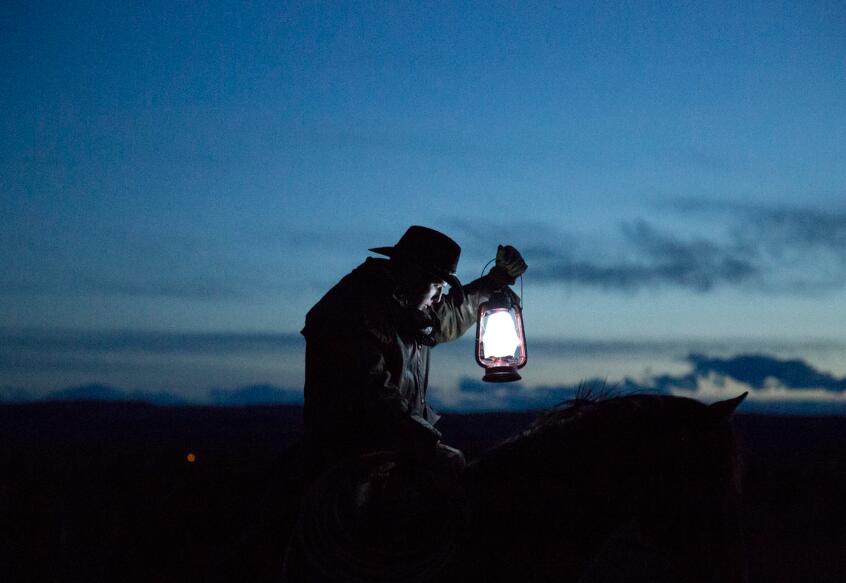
{"points": [[509, 265], [442, 459], [451, 458]]}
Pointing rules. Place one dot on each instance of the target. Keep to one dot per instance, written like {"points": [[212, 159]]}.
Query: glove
{"points": [[442, 459], [509, 265], [450, 459]]}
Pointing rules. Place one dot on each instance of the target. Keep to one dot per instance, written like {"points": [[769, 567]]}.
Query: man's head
{"points": [[418, 289], [424, 260]]}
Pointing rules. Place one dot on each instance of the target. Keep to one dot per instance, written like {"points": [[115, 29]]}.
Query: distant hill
{"points": [[256, 395], [92, 392], [802, 389], [98, 392], [15, 394]]}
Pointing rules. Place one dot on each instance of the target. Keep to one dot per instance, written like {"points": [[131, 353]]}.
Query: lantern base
{"points": [[501, 374]]}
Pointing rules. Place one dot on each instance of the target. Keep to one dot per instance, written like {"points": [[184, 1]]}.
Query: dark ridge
{"points": [[104, 491]]}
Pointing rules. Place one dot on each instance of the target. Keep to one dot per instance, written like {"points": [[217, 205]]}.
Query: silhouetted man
{"points": [[368, 342]]}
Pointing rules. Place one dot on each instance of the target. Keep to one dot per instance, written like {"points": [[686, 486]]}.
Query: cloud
{"points": [[783, 386], [753, 372], [176, 287], [130, 262], [42, 363], [659, 258], [797, 249], [774, 249], [535, 238], [777, 226], [476, 395], [241, 396], [42, 359], [98, 392], [776, 385], [69, 341], [759, 371]]}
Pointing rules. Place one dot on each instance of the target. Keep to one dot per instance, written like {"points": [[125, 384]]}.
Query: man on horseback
{"points": [[367, 349]]}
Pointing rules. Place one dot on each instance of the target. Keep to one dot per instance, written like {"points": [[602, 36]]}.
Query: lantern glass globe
{"points": [[499, 336]]}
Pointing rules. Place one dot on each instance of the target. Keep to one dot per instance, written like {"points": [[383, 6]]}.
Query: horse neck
{"points": [[532, 498], [571, 487]]}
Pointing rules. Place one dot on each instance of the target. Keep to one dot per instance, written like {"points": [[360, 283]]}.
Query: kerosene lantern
{"points": [[500, 342]]}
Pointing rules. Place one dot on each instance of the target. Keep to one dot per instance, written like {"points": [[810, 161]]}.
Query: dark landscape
{"points": [[105, 491]]}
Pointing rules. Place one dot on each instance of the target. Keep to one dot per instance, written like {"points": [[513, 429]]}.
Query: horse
{"points": [[600, 488]]}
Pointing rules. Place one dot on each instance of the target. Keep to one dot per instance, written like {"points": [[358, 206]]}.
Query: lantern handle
{"points": [[518, 300], [486, 266], [513, 295]]}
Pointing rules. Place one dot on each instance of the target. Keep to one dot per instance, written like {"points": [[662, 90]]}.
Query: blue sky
{"points": [[673, 173]]}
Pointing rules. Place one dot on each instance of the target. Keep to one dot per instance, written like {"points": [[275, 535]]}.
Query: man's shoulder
{"points": [[358, 304]]}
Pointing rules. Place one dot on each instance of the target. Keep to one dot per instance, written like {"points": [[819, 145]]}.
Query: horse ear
{"points": [[725, 409]]}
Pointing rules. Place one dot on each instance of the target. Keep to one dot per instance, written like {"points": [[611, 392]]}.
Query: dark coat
{"points": [[367, 363]]}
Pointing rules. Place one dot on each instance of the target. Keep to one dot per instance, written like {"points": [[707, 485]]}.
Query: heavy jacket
{"points": [[367, 363]]}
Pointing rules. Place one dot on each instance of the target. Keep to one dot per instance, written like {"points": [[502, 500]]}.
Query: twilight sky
{"points": [[180, 175]]}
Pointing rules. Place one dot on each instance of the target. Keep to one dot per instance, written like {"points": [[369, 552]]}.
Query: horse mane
{"points": [[588, 395], [599, 416], [593, 399]]}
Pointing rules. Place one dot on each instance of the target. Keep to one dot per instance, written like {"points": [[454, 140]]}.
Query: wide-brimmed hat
{"points": [[431, 251]]}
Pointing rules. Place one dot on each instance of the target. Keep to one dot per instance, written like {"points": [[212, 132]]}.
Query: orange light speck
{"points": [[191, 457]]}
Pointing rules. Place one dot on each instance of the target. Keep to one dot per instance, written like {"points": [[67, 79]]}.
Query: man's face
{"points": [[431, 294], [420, 289]]}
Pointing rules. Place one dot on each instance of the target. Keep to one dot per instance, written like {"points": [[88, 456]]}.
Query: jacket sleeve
{"points": [[384, 404], [452, 321]]}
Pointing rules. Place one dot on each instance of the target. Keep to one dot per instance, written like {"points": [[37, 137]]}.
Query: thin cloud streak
{"points": [[659, 259], [766, 249], [224, 343], [683, 346], [165, 342], [774, 384], [789, 226], [188, 289], [102, 260]]}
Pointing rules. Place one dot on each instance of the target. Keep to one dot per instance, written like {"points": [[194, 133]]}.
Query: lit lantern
{"points": [[500, 342]]}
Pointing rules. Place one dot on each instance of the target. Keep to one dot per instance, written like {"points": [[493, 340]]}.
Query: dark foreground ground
{"points": [[105, 491]]}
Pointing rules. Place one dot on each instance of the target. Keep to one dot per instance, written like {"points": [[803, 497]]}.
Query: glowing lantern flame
{"points": [[499, 338]]}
